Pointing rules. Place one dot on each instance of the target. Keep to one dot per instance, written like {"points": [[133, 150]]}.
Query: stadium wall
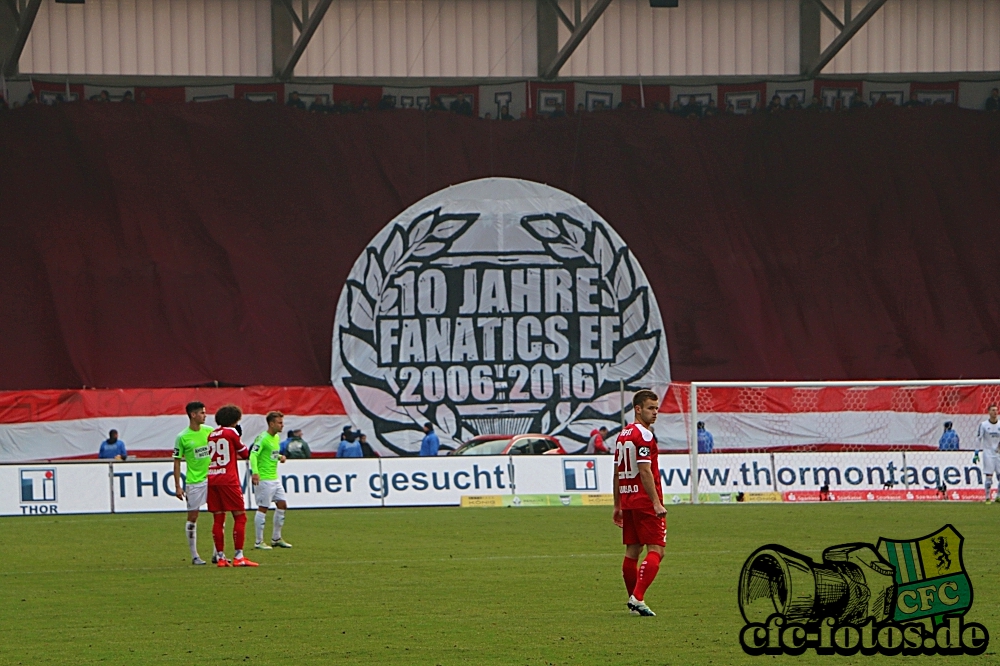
{"points": [[495, 481], [528, 99]]}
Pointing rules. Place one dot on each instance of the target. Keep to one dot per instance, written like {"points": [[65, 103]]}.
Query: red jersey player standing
{"points": [[224, 491], [639, 509]]}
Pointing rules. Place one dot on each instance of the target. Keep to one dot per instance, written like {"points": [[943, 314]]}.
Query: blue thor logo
{"points": [[38, 485], [580, 474]]}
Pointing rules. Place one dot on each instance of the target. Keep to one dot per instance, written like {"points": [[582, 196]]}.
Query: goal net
{"points": [[823, 441]]}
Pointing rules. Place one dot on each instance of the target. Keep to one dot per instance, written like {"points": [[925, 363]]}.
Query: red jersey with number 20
{"points": [[636, 446], [225, 447]]}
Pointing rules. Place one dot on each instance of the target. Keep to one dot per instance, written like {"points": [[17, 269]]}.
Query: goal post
{"points": [[832, 440]]}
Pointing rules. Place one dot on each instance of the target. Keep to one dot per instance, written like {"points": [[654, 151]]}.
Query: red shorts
{"points": [[225, 498], [642, 527]]}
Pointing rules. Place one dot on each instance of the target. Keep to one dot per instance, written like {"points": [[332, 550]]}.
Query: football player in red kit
{"points": [[224, 491], [639, 509]]}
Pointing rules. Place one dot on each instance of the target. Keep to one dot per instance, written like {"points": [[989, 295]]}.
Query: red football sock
{"points": [[219, 531], [239, 530], [647, 572], [630, 572]]}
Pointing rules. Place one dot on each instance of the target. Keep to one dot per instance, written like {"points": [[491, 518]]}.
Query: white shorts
{"points": [[267, 492], [991, 463], [196, 495]]}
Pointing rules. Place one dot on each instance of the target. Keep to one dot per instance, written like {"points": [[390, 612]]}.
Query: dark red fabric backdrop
{"points": [[178, 245]]}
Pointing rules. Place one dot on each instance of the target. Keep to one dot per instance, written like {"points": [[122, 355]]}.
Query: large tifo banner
{"points": [[497, 306], [105, 487]]}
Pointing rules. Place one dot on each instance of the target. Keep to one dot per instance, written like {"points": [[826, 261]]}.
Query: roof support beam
{"points": [[25, 20], [561, 14], [809, 34], [291, 12], [827, 12], [579, 32], [308, 30], [14, 12], [850, 29]]}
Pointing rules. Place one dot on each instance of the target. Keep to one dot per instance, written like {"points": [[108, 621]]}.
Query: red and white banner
{"points": [[45, 425], [833, 417]]}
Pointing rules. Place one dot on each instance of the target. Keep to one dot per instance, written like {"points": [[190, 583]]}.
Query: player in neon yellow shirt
{"points": [[191, 446], [264, 458]]}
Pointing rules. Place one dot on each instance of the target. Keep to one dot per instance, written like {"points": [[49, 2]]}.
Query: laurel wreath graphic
{"points": [[371, 294]]}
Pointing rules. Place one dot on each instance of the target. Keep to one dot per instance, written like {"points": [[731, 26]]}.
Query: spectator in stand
{"points": [[438, 104], [104, 96], [365, 106], [113, 447], [596, 444], [677, 108], [505, 114], [127, 97], [858, 104], [949, 438], [466, 106], [993, 101], [793, 103], [580, 108], [295, 446], [488, 116], [692, 109], [730, 109], [295, 102], [775, 105], [430, 444], [366, 449], [349, 446], [705, 441], [883, 101], [558, 112], [816, 104], [318, 105], [914, 101], [660, 107], [387, 103]]}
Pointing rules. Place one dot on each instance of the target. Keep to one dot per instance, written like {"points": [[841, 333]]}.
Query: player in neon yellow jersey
{"points": [[192, 447], [264, 458]]}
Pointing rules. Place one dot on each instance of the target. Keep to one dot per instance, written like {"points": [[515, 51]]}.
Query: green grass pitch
{"points": [[429, 586]]}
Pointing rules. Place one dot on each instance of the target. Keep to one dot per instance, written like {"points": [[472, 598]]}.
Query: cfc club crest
{"points": [[930, 575], [498, 306]]}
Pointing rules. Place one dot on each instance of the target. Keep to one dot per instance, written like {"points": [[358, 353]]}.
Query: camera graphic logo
{"points": [[897, 597]]}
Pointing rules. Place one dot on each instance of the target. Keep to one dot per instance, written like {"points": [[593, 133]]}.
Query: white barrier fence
{"points": [[108, 487]]}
